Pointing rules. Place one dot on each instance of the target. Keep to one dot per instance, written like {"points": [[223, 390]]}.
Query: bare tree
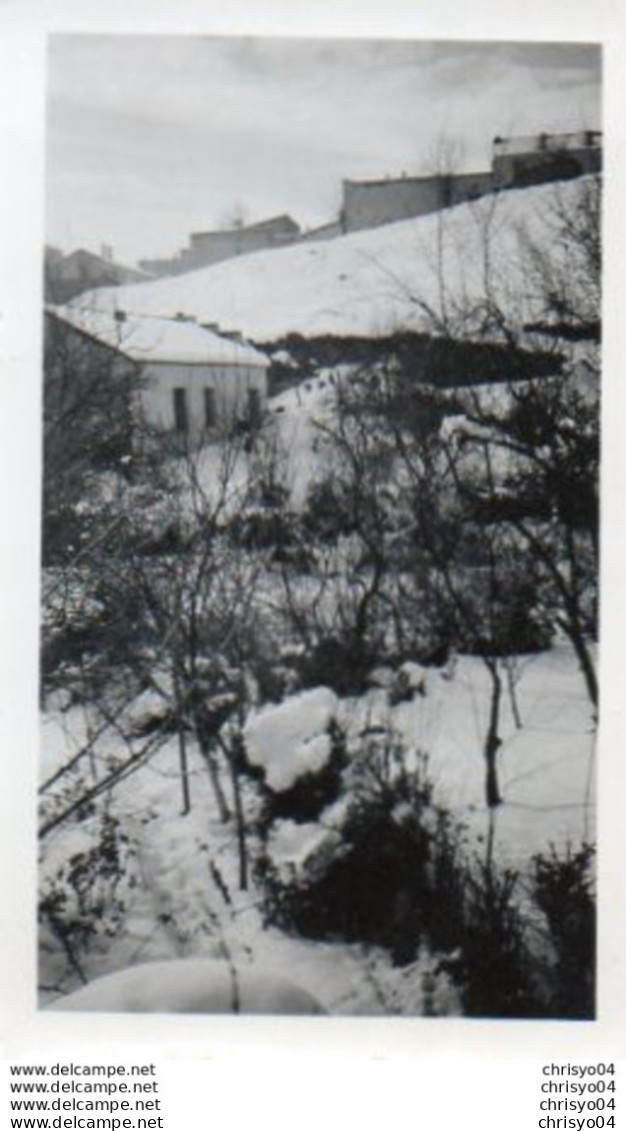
{"points": [[542, 440], [234, 218]]}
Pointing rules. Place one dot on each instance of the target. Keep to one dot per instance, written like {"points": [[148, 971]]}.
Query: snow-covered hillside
{"points": [[368, 283]]}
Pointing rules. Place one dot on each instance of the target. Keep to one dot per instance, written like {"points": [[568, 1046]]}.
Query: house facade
{"points": [[190, 381]]}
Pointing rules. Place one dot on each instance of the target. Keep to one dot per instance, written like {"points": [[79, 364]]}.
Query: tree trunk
{"points": [[220, 797], [182, 744], [492, 739], [184, 771], [571, 627], [510, 679], [234, 756]]}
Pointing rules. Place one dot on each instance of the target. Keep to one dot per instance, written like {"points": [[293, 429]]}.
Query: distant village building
{"points": [[520, 161], [193, 380], [516, 163], [369, 204], [213, 246], [328, 231], [67, 276]]}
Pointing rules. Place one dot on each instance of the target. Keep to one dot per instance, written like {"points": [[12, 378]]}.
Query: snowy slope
{"points": [[367, 283]]}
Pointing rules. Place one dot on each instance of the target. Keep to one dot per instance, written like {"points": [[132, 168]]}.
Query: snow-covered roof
{"points": [[150, 339]]}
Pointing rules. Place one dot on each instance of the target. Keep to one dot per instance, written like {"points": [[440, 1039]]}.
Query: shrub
{"points": [[81, 901], [564, 890], [327, 515], [342, 663], [262, 529], [377, 887], [495, 972], [401, 876]]}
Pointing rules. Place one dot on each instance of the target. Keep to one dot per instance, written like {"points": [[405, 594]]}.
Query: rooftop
{"points": [[282, 223], [154, 339]]}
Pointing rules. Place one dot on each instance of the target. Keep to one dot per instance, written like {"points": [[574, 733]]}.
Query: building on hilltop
{"points": [[214, 246], [516, 163], [190, 380], [369, 204], [211, 247], [520, 161], [328, 231], [66, 276]]}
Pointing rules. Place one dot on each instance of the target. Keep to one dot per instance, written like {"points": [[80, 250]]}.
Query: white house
{"points": [[193, 379]]}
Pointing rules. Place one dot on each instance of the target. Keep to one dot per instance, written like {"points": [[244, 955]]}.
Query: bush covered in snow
{"points": [[81, 897], [313, 790], [292, 738], [388, 866], [378, 885]]}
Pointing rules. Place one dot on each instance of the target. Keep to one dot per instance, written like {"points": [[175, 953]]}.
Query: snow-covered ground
{"points": [[368, 283], [290, 429], [183, 898]]}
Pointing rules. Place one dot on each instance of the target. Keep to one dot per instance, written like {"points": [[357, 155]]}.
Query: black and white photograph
{"points": [[320, 419]]}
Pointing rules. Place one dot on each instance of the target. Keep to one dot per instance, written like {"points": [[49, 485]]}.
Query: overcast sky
{"points": [[150, 138]]}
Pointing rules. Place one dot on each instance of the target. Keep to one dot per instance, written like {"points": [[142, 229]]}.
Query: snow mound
{"points": [[294, 845], [191, 986], [381, 676], [411, 678], [292, 739]]}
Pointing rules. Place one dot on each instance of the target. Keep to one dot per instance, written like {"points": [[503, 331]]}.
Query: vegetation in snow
{"points": [[328, 706]]}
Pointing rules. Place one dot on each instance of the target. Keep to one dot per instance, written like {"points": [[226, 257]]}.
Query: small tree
{"points": [[88, 393]]}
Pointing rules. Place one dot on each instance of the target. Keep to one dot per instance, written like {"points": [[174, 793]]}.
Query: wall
{"points": [[369, 204], [470, 186], [230, 382], [537, 166], [324, 232], [161, 267], [211, 247]]}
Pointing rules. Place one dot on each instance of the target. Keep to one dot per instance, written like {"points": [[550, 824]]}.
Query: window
{"points": [[210, 409], [254, 407], [181, 421]]}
